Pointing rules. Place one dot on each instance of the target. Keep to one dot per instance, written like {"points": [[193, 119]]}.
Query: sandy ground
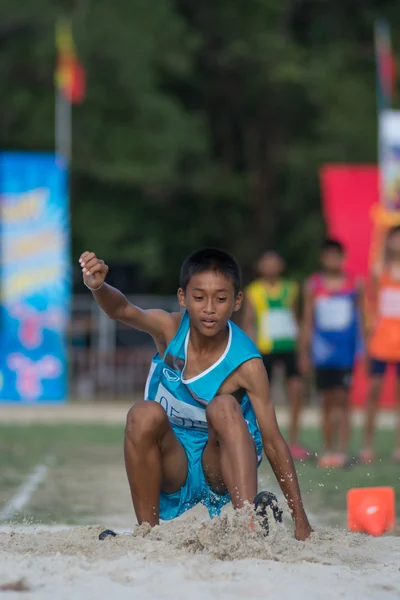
{"points": [[198, 559], [191, 558]]}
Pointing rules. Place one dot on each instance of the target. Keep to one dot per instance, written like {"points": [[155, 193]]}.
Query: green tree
{"points": [[204, 122]]}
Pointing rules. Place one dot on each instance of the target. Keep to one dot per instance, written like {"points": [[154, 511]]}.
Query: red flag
{"points": [[70, 74], [349, 192]]}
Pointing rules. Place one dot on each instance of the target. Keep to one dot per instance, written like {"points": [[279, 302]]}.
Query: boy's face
{"points": [[332, 260], [210, 300], [270, 266], [393, 243]]}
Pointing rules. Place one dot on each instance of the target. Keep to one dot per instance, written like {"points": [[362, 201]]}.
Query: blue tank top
{"points": [[335, 337], [185, 400]]}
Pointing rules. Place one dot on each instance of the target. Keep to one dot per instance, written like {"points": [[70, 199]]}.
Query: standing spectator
{"points": [[271, 319], [328, 343], [384, 339]]}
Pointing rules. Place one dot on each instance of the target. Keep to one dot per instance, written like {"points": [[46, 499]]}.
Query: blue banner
{"points": [[35, 278]]}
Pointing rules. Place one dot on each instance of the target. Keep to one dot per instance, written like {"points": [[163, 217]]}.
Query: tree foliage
{"points": [[204, 122]]}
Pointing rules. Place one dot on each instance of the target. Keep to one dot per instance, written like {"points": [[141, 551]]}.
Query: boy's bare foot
{"points": [[332, 460], [396, 456], [367, 455], [299, 452]]}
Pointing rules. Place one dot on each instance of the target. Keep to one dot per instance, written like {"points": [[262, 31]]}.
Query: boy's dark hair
{"points": [[211, 259], [270, 252], [332, 244]]}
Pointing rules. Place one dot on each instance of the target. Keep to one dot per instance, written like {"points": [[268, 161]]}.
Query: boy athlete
{"points": [[199, 433], [328, 342], [384, 338], [270, 318]]}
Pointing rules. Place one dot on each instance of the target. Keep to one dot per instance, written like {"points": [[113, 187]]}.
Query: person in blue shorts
{"points": [[198, 435]]}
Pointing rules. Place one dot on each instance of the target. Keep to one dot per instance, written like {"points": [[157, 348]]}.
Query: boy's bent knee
{"points": [[145, 418], [222, 408]]}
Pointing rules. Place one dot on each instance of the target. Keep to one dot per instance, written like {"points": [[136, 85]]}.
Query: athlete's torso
{"points": [[275, 320], [185, 400], [385, 339], [335, 323]]}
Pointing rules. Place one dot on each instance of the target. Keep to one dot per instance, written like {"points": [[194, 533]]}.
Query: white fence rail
{"points": [[107, 359]]}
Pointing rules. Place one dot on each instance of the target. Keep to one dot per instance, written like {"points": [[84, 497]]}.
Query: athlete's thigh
{"points": [[211, 461], [174, 462]]}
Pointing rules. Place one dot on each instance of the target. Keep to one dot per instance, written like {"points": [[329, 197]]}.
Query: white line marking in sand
{"points": [[25, 492]]}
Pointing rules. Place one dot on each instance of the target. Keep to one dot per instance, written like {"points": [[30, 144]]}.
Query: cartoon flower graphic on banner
{"points": [[33, 322], [30, 374]]}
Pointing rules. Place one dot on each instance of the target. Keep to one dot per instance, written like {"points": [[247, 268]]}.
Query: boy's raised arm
{"points": [[159, 324], [254, 379]]}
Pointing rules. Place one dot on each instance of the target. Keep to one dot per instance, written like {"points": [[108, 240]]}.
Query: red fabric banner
{"points": [[349, 193]]}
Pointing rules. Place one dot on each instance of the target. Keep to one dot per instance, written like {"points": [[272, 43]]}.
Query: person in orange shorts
{"points": [[383, 342]]}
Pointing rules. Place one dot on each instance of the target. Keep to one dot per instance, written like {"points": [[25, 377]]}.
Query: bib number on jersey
{"points": [[334, 314], [389, 300], [279, 324], [179, 412]]}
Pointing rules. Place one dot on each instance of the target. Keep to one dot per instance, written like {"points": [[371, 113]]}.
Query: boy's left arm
{"points": [[254, 379]]}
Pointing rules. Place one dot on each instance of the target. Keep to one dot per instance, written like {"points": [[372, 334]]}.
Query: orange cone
{"points": [[371, 510]]}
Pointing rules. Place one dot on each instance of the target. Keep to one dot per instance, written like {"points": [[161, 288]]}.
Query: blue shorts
{"points": [[378, 367], [195, 489]]}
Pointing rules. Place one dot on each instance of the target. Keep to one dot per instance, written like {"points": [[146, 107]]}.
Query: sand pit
{"points": [[198, 559], [192, 558]]}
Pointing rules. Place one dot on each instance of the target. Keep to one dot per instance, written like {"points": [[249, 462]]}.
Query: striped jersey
{"points": [[275, 319], [335, 339]]}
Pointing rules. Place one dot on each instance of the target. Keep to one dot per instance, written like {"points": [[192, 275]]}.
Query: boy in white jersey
{"points": [[183, 447]]}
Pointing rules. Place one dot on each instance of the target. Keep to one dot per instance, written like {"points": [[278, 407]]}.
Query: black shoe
{"points": [[107, 533], [265, 500]]}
